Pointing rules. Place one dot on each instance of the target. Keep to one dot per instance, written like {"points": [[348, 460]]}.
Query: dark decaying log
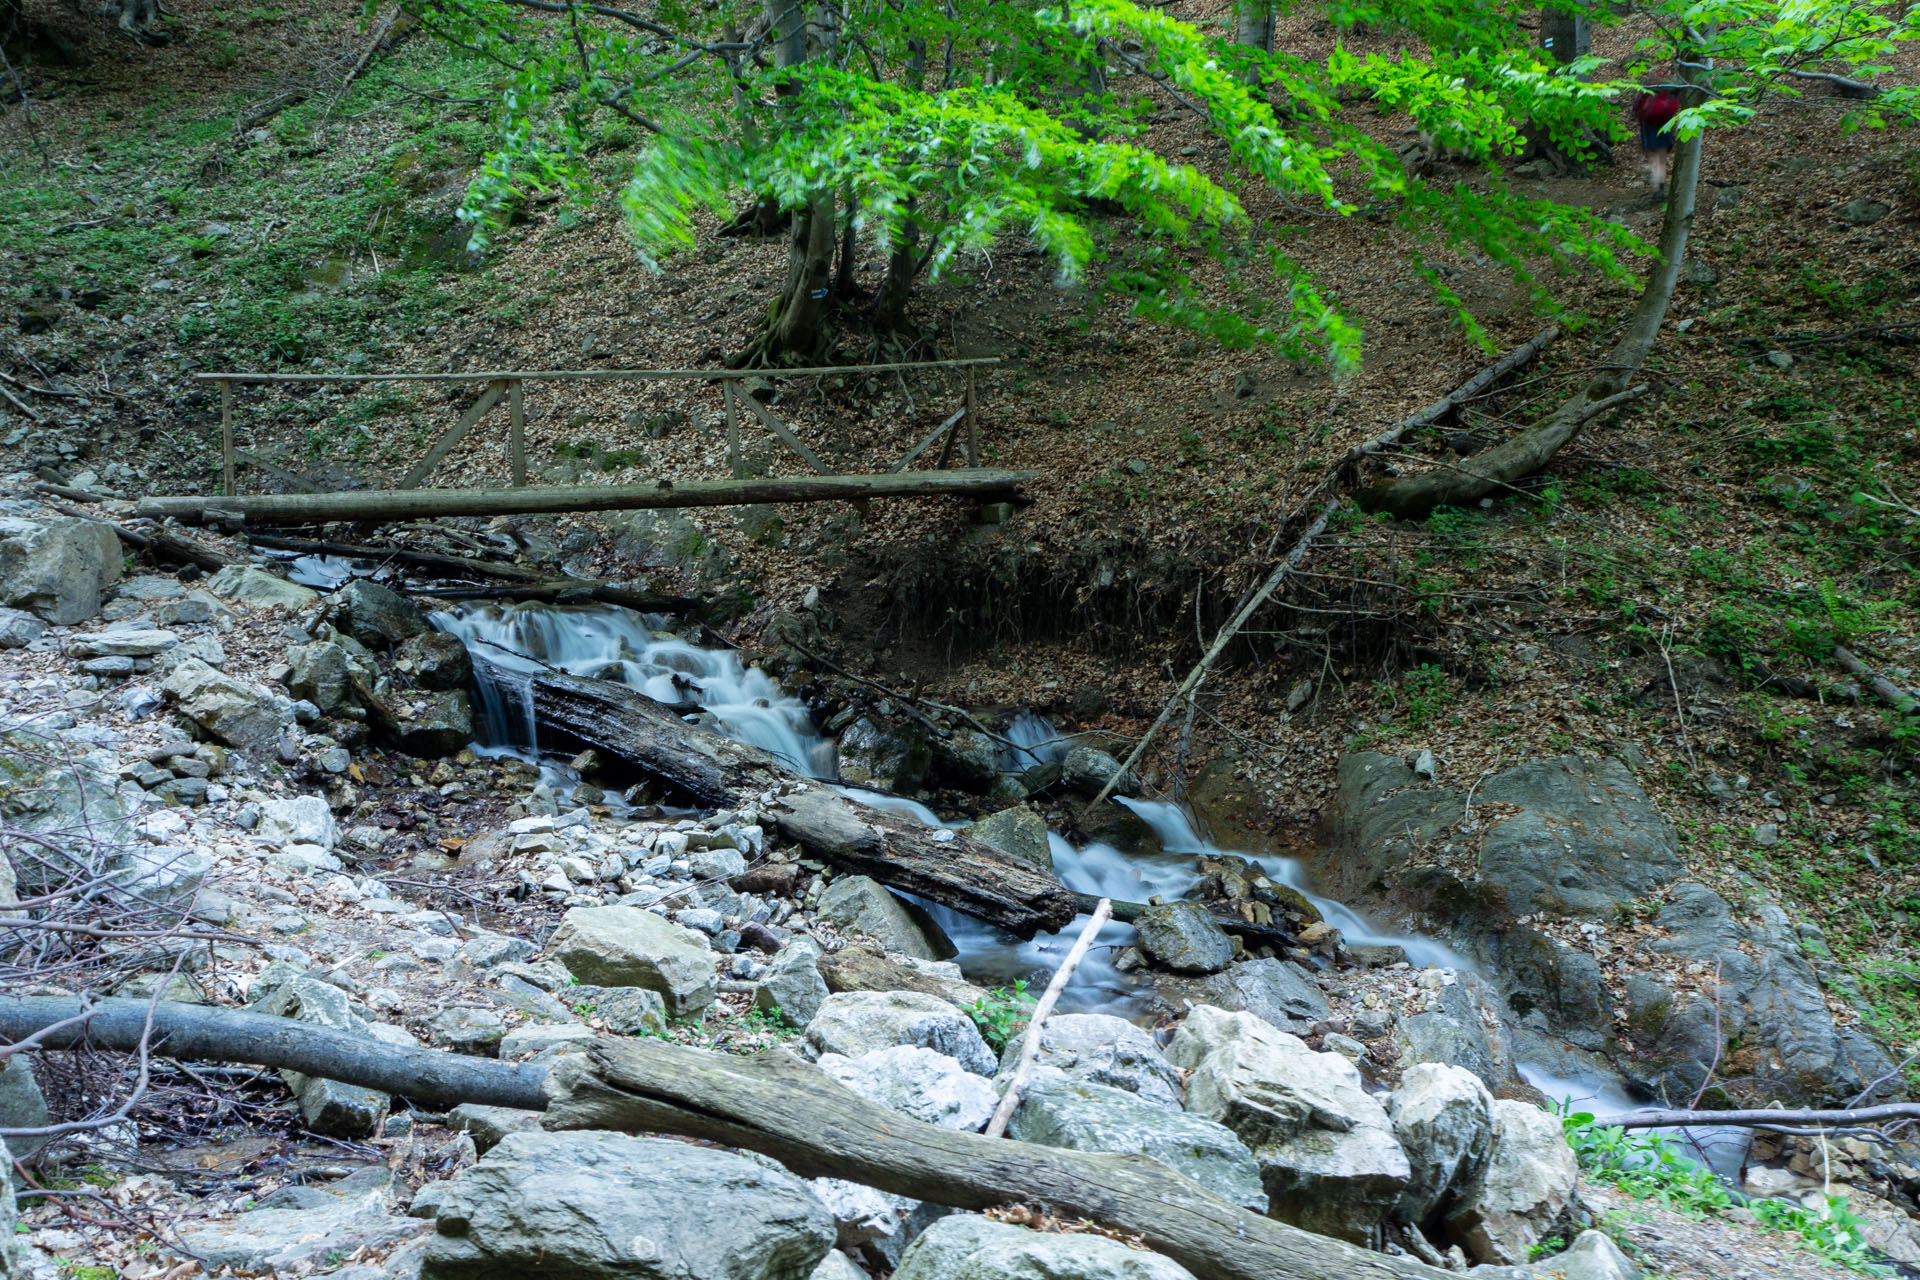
{"points": [[427, 504], [207, 1033], [781, 1107], [947, 867]]}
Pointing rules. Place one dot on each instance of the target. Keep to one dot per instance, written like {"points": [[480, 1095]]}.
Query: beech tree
{"points": [[936, 128]]}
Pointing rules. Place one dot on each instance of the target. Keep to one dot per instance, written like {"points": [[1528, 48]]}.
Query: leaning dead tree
{"points": [[1470, 479], [713, 770]]}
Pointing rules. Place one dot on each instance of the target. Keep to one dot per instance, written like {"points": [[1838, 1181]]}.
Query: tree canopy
{"points": [[940, 127]]}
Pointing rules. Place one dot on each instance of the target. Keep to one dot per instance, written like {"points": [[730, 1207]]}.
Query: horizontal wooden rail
{"points": [[591, 375], [422, 504]]}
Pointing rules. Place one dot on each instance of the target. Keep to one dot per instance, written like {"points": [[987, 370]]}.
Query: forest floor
{"points": [[158, 222]]}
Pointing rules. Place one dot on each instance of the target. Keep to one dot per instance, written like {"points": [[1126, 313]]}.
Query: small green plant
{"points": [[1002, 1013], [1832, 1230], [1546, 1248]]}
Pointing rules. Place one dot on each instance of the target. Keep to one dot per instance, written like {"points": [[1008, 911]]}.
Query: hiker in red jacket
{"points": [[1654, 113]]}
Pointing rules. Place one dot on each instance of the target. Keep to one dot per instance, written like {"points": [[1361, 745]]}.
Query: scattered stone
{"points": [[1181, 936], [1864, 211], [19, 629], [22, 1106], [298, 820], [320, 673], [489, 1126], [859, 904], [625, 1011], [606, 1206], [127, 642], [1593, 1256], [291, 1241], [1057, 1112], [628, 947], [536, 1039], [489, 950], [57, 568], [968, 1247], [436, 661], [854, 1023]]}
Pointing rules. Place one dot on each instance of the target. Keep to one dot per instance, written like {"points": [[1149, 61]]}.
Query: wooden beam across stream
{"points": [[426, 504]]}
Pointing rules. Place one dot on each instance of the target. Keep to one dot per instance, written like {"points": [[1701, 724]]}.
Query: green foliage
{"points": [[1651, 1166], [1001, 1014]]}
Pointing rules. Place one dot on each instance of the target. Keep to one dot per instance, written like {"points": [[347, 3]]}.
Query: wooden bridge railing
{"points": [[507, 384]]}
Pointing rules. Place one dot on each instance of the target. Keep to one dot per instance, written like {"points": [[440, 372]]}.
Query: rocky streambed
{"points": [[297, 771]]}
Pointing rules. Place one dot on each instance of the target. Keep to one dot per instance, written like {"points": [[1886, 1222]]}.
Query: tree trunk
{"points": [[206, 1033], [903, 265], [1566, 34], [427, 504], [1494, 470], [779, 1106], [711, 769], [1253, 24]]}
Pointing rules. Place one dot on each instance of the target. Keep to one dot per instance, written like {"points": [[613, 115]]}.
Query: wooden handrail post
{"points": [[973, 427], [517, 434], [226, 439], [733, 429]]}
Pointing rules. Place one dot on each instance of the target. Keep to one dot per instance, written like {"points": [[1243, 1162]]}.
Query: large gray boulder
{"points": [[966, 1247], [868, 753], [1523, 1193], [22, 1106], [917, 1082], [236, 712], [1443, 1118], [858, 904], [435, 660], [1181, 936], [422, 722], [1018, 832], [853, 1023], [628, 947], [1327, 1152], [1101, 1049], [57, 568], [377, 617], [606, 1206], [1058, 1112]]}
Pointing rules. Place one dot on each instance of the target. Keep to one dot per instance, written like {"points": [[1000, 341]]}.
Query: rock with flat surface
{"points": [[376, 616], [1057, 1112], [586, 1205], [628, 947], [1277, 991], [1443, 1117], [244, 584], [122, 642], [859, 904], [967, 1247], [1181, 936], [57, 568], [296, 1240], [1327, 1152], [490, 1126], [1523, 1193], [1592, 1256], [854, 1023], [1102, 1049], [792, 984], [435, 660]]}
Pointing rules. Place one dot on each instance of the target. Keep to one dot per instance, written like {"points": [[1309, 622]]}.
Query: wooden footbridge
{"points": [[409, 501]]}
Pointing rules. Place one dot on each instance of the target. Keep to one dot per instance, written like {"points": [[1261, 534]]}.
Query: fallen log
{"points": [[711, 769], [540, 584], [417, 504], [790, 1110], [1884, 689], [1848, 1118], [208, 1033]]}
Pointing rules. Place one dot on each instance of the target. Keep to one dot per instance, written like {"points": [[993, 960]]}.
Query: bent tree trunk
{"points": [[791, 1110], [1493, 470]]}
